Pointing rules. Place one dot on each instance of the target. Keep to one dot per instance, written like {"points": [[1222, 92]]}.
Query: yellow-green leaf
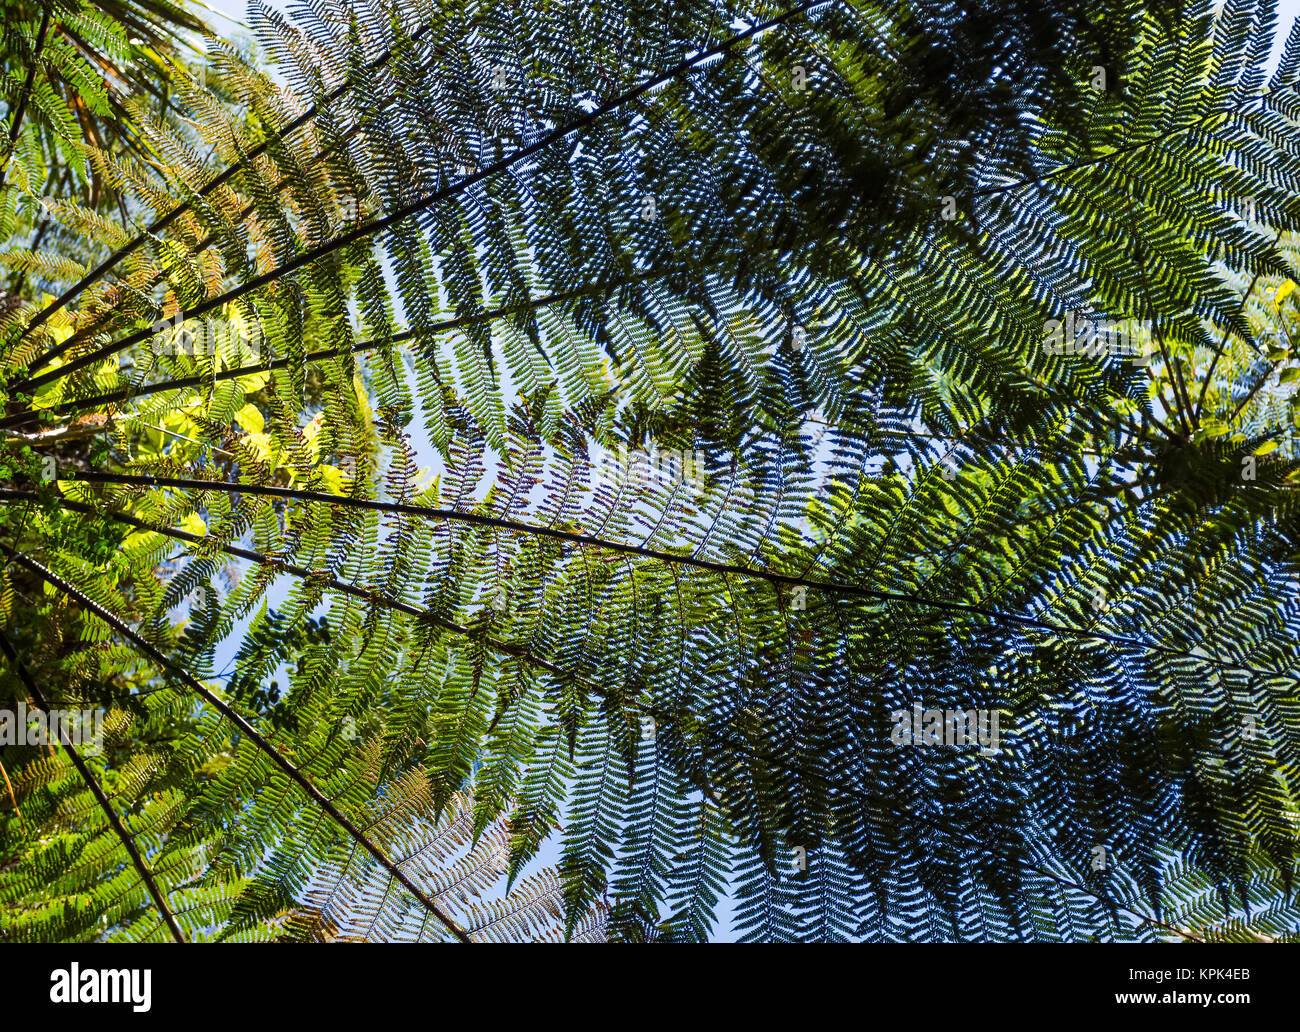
{"points": [[250, 418]]}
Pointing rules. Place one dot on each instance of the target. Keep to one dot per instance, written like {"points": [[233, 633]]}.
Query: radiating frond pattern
{"points": [[514, 477]]}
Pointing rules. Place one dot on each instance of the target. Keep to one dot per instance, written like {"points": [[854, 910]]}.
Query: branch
{"points": [[655, 711], [245, 728], [1263, 379], [162, 223], [93, 783], [369, 229], [345, 587], [725, 569], [128, 393], [1223, 341], [16, 125]]}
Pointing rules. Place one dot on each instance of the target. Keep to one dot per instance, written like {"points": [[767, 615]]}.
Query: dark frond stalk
{"points": [[16, 125], [1131, 148], [1254, 389], [356, 591], [160, 224], [1223, 343], [199, 248], [1180, 389], [693, 562], [301, 572], [657, 712], [446, 325], [38, 697], [245, 728], [376, 226]]}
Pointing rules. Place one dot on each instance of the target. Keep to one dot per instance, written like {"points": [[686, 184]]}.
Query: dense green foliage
{"points": [[376, 618]]}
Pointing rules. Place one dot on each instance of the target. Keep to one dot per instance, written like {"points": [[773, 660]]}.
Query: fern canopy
{"points": [[524, 472]]}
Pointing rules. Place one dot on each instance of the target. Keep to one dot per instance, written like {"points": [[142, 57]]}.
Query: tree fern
{"points": [[347, 468]]}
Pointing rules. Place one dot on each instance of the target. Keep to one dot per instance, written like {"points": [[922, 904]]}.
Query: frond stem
{"points": [[128, 843], [694, 562], [16, 125], [245, 728], [404, 212]]}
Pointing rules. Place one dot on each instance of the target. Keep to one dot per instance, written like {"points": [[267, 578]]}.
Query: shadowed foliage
{"points": [[516, 473]]}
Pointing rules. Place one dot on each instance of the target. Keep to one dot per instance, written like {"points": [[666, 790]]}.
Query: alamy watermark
{"points": [[1077, 335], [207, 337], [923, 727], [83, 728], [637, 469]]}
